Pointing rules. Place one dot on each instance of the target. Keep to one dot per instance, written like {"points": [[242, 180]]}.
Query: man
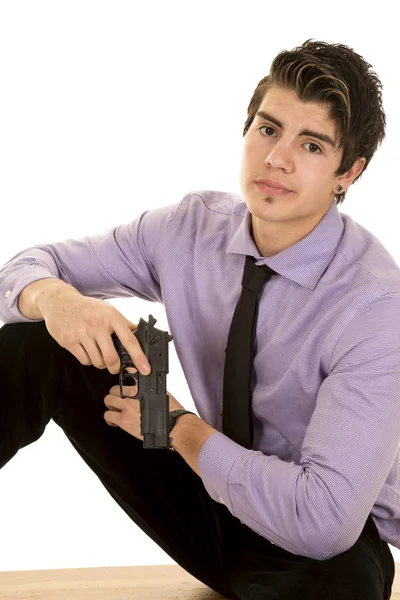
{"points": [[293, 512]]}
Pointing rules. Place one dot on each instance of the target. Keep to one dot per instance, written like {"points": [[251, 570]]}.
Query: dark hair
{"points": [[337, 77]]}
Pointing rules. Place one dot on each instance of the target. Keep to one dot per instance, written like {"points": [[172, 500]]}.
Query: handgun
{"points": [[152, 390]]}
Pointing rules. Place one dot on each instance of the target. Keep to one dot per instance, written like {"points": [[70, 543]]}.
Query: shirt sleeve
{"points": [[119, 263], [318, 507]]}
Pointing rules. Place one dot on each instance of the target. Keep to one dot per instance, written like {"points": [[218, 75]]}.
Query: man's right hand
{"points": [[84, 326]]}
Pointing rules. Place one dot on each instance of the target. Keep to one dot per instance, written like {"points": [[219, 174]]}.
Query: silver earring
{"points": [[339, 188]]}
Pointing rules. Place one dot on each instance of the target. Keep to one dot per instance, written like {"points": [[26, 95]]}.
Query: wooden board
{"points": [[161, 582]]}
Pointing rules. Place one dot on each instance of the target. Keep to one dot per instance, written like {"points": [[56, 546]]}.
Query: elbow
{"points": [[329, 545]]}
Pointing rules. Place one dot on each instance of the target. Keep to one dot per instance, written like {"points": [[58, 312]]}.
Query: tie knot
{"points": [[255, 276]]}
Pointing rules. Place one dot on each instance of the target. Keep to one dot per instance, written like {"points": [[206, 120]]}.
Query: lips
{"points": [[273, 183]]}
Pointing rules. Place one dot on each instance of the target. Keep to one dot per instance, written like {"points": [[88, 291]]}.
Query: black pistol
{"points": [[152, 390]]}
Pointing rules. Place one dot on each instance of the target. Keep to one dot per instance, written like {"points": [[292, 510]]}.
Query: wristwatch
{"points": [[175, 414]]}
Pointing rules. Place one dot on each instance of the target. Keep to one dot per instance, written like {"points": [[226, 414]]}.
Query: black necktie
{"points": [[236, 415]]}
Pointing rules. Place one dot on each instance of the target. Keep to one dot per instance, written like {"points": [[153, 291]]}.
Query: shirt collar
{"points": [[305, 261]]}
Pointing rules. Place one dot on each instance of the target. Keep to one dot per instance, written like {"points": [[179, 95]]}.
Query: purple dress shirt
{"points": [[326, 373]]}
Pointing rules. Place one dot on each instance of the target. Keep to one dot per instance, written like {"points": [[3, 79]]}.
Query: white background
{"points": [[108, 109]]}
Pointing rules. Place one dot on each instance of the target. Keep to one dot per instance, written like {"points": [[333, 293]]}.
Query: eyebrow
{"points": [[321, 136]]}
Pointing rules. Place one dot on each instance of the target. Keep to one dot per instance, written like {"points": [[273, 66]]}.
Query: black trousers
{"points": [[40, 380]]}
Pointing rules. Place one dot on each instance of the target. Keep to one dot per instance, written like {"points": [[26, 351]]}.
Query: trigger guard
{"points": [[121, 380], [127, 374]]}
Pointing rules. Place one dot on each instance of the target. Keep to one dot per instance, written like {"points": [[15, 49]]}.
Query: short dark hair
{"points": [[335, 76]]}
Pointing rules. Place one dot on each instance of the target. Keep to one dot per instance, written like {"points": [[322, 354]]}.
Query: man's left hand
{"points": [[125, 412]]}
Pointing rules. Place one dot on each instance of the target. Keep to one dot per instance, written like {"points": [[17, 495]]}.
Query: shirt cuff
{"points": [[216, 459]]}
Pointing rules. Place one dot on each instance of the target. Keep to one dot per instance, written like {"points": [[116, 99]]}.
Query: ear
{"points": [[347, 179]]}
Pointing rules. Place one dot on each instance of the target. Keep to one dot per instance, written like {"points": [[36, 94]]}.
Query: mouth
{"points": [[272, 191], [272, 183]]}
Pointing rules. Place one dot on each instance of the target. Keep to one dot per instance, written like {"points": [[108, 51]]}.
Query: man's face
{"points": [[304, 164]]}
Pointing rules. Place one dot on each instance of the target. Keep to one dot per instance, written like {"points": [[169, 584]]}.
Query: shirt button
{"points": [[8, 293]]}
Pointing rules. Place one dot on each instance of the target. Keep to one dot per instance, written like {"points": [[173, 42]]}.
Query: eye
{"points": [[311, 143]]}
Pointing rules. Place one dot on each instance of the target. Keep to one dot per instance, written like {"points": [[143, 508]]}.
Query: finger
{"points": [[127, 390], [132, 346], [93, 351], [80, 353], [107, 417], [113, 402], [109, 352]]}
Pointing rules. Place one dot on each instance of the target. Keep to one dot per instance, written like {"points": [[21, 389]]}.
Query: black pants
{"points": [[40, 380]]}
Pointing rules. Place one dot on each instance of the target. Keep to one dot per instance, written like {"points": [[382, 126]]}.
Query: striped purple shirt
{"points": [[326, 373]]}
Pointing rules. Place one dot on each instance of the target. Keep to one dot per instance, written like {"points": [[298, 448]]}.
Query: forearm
{"points": [[31, 298], [188, 437]]}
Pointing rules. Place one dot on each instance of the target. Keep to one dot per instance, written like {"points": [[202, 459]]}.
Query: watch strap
{"points": [[175, 414]]}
